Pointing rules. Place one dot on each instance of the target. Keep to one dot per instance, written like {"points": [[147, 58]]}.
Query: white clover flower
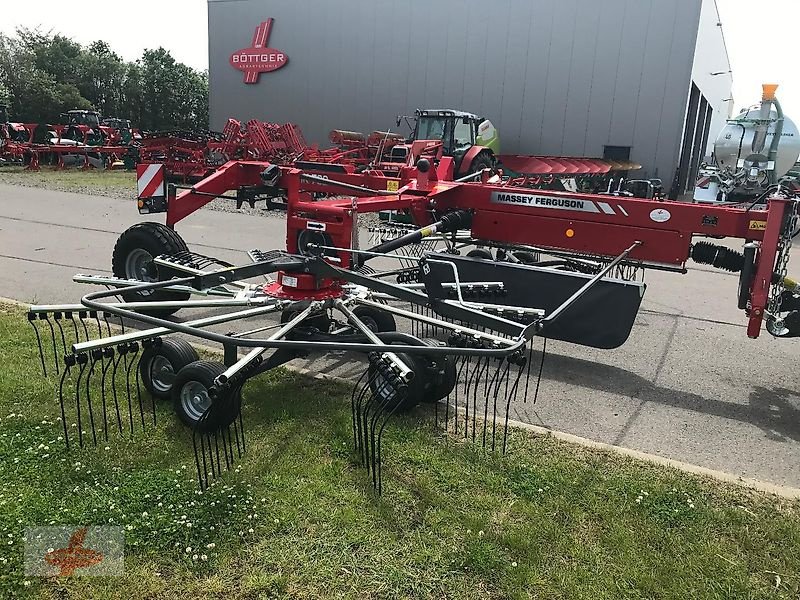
{"points": [[203, 557], [188, 549]]}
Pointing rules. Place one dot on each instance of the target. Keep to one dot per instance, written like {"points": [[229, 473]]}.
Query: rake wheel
{"points": [[319, 321], [480, 253], [161, 362], [198, 403], [133, 259], [379, 321], [442, 375], [392, 399]]}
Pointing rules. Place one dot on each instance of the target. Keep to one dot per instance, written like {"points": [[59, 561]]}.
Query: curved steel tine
{"points": [[95, 356], [511, 396], [503, 378], [69, 362], [134, 348], [57, 316], [528, 376], [463, 362], [361, 445], [69, 315], [541, 368], [108, 325], [31, 320], [380, 444], [97, 320], [82, 315], [398, 398], [495, 381], [238, 396], [108, 353], [44, 317], [139, 392], [122, 349], [82, 359], [483, 374], [356, 387]]}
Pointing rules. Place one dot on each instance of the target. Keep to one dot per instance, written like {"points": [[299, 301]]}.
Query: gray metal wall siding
{"points": [[557, 77]]}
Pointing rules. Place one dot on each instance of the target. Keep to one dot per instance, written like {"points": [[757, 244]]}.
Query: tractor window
{"points": [[462, 135], [431, 128]]}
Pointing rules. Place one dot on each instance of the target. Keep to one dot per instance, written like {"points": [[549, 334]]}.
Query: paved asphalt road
{"points": [[688, 384]]}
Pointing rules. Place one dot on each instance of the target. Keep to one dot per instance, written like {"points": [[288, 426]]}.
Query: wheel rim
{"points": [[137, 265], [195, 400], [162, 374]]}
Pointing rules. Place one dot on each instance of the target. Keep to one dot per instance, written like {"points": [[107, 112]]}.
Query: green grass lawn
{"points": [[102, 182], [298, 517]]}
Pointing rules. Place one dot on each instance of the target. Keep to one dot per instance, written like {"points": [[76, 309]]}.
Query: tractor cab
{"points": [[89, 118], [83, 127], [471, 140]]}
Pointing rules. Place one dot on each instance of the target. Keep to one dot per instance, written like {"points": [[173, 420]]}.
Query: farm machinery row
{"points": [[472, 142], [430, 321], [83, 139]]}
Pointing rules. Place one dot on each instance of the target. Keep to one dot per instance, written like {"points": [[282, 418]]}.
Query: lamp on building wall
{"points": [[714, 73]]}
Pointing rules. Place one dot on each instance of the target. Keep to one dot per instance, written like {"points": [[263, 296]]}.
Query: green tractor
{"points": [[472, 141]]}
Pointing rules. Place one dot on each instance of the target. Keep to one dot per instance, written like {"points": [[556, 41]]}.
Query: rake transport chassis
{"points": [[456, 331]]}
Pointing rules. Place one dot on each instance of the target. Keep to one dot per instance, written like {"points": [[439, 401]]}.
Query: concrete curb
{"points": [[722, 476]]}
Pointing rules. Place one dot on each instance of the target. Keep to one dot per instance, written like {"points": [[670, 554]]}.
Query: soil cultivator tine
{"points": [[108, 361], [133, 349], [218, 436], [69, 362]]}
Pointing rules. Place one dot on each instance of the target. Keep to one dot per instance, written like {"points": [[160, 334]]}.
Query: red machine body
{"points": [[593, 224]]}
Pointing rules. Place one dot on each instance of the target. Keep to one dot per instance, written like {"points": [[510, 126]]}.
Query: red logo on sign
{"points": [[258, 58]]}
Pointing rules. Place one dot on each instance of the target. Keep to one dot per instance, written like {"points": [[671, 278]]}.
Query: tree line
{"points": [[43, 75]]}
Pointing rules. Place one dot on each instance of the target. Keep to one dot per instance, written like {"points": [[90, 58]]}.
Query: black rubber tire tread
{"points": [[156, 239], [525, 257], [204, 372], [383, 320], [482, 161], [441, 386], [177, 351], [481, 253]]}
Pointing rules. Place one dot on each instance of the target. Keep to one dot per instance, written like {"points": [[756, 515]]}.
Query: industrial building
{"points": [[645, 80]]}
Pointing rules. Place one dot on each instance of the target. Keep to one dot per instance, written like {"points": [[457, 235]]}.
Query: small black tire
{"points": [[379, 321], [526, 258], [319, 321], [133, 256], [415, 389], [160, 364], [481, 253], [192, 397], [442, 374]]}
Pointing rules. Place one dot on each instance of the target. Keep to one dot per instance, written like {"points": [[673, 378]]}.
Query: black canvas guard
{"points": [[601, 318]]}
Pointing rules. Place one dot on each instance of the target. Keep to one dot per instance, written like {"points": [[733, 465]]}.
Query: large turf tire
{"points": [[190, 397], [160, 364], [482, 161], [132, 259], [375, 319]]}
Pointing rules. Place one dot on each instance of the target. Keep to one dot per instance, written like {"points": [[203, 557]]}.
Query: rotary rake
{"points": [[429, 324]]}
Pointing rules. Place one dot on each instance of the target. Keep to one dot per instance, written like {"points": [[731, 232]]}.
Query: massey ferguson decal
{"points": [[555, 202], [259, 58]]}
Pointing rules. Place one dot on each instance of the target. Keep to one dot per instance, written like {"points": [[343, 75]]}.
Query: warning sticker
{"points": [[758, 225], [392, 185], [545, 202]]}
